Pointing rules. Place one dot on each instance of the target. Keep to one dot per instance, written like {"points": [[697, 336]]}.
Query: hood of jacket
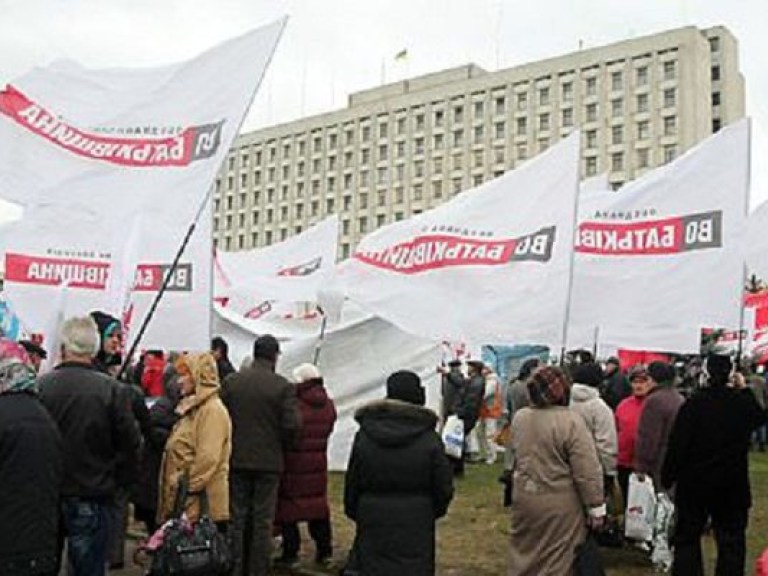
{"points": [[205, 375], [395, 423], [583, 393], [312, 392]]}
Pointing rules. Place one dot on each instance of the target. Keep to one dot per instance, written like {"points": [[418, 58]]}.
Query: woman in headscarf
{"points": [[200, 444], [30, 471], [557, 477]]}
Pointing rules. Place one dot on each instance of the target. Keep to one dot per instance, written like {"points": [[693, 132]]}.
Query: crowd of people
{"points": [[87, 441]]}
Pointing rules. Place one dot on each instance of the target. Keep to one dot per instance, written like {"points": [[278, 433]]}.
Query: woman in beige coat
{"points": [[200, 443], [558, 480]]}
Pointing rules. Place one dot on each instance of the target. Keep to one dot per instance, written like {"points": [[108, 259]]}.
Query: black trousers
{"points": [[729, 524], [319, 530]]}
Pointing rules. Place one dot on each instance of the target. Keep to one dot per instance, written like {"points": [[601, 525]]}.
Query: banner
{"points": [[756, 242], [129, 140], [253, 282], [490, 266], [661, 259], [54, 246]]}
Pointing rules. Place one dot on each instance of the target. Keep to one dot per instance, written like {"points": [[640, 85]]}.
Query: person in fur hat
{"points": [[707, 464], [398, 482]]}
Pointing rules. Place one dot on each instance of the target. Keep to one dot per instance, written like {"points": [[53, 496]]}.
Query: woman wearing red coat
{"points": [[303, 493]]}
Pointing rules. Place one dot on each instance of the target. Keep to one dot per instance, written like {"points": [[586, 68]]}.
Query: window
{"points": [[231, 163], [299, 210], [456, 184], [331, 184], [419, 122], [522, 151], [399, 196], [543, 121], [498, 155], [437, 166], [544, 96], [400, 173], [333, 141], [715, 98], [331, 166], [567, 118], [641, 74], [383, 152], [522, 101], [478, 159], [717, 123], [268, 237], [315, 168], [643, 130], [230, 183], [439, 118], [349, 136], [345, 250], [617, 108], [715, 73], [670, 98], [643, 158], [383, 130], [439, 142], [243, 180], [317, 146], [457, 162], [567, 90], [418, 192], [479, 108], [714, 44], [478, 134], [617, 135], [381, 219], [270, 215], [345, 227], [591, 112], [543, 144], [241, 220], [418, 169], [458, 114], [347, 206], [347, 181], [437, 189], [591, 86], [670, 70], [365, 133], [363, 201], [254, 239], [302, 150], [458, 138], [670, 152], [365, 178], [381, 198], [642, 103], [500, 104], [419, 146], [591, 138], [522, 126], [477, 179], [329, 206], [401, 125], [670, 125], [315, 207], [381, 176], [283, 213], [499, 129], [617, 162], [362, 224], [365, 156], [399, 216], [591, 166], [617, 81], [315, 187], [400, 150]]}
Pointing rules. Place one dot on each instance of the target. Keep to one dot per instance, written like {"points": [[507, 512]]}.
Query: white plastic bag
{"points": [[641, 509], [453, 436], [662, 554]]}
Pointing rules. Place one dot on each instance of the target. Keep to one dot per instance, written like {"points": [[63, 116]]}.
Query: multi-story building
{"points": [[402, 148]]}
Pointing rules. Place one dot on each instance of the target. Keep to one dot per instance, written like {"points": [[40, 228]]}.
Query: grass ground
{"points": [[473, 538]]}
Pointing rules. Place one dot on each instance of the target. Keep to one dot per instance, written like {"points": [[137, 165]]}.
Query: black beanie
{"points": [[590, 374], [406, 386], [661, 372], [104, 321], [719, 367]]}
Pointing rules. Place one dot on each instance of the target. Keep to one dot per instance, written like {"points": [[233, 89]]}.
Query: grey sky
{"points": [[333, 47]]}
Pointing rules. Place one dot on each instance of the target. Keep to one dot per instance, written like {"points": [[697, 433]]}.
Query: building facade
{"points": [[402, 148]]}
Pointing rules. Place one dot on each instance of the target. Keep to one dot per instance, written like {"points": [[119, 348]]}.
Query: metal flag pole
{"points": [[745, 273], [321, 339], [569, 291]]}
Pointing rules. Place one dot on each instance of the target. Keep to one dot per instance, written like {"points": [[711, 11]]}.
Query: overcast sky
{"points": [[333, 47]]}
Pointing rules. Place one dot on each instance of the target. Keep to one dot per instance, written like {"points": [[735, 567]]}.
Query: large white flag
{"points": [[292, 271], [756, 242], [126, 140], [54, 246], [660, 259], [492, 265]]}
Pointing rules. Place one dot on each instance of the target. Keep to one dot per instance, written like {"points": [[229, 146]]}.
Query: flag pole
{"points": [[569, 291], [745, 272]]}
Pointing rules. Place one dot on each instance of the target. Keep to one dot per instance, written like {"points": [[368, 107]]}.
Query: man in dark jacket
{"points": [[110, 329], [30, 471], [398, 483], [708, 463], [615, 386], [220, 351], [89, 408], [453, 383], [265, 421], [659, 412]]}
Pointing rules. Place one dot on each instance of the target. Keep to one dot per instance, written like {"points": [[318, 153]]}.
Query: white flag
{"points": [[660, 259], [124, 140], [490, 266], [756, 242], [292, 271]]}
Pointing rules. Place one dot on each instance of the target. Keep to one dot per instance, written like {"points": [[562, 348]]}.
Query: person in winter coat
{"points": [[98, 430], [163, 417], [490, 415], [303, 492], [220, 351], [707, 463], [107, 359], [453, 383], [199, 445], [557, 480], [615, 385], [398, 483], [586, 401], [31, 463], [659, 412], [627, 419]]}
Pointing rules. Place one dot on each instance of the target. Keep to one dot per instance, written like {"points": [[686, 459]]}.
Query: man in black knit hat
{"points": [[707, 463]]}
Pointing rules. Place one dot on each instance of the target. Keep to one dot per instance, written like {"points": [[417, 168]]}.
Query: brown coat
{"points": [[557, 475], [200, 444]]}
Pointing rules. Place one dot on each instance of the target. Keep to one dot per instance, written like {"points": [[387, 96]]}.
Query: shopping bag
{"points": [[639, 519], [587, 561], [453, 437], [661, 557], [504, 435]]}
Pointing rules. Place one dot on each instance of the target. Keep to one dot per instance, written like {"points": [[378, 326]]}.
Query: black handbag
{"points": [[588, 561], [197, 551]]}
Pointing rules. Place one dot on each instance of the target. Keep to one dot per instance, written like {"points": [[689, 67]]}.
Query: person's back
{"points": [[30, 473], [398, 482]]}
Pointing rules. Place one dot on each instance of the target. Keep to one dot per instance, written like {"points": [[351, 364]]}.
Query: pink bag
{"points": [[762, 564]]}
